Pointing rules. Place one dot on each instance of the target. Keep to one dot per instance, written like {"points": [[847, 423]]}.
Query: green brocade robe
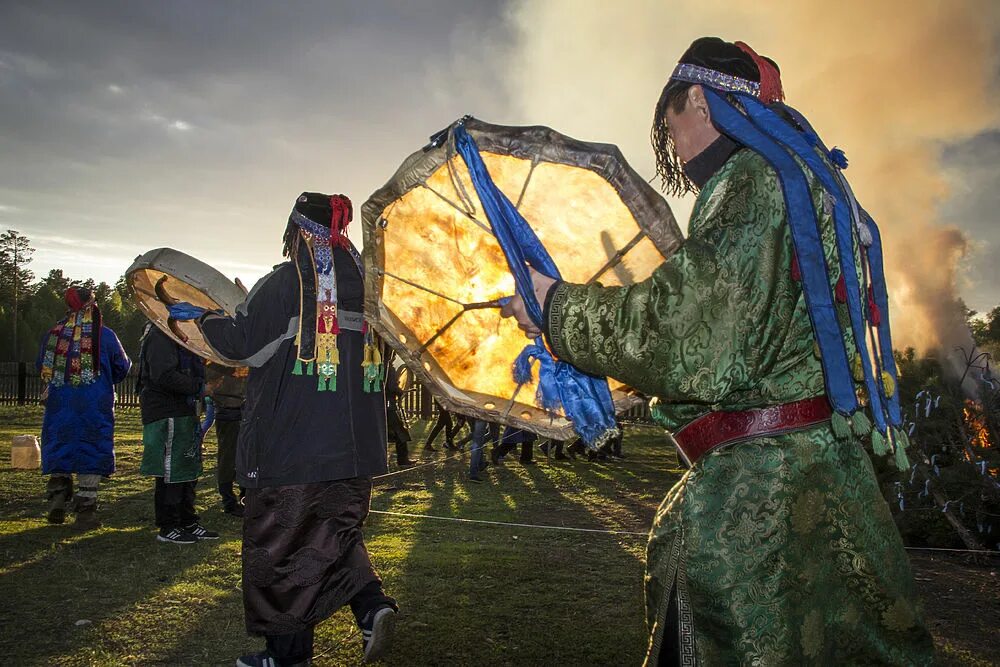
{"points": [[772, 551]]}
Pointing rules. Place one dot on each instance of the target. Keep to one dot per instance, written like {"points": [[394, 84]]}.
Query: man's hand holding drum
{"points": [[515, 306]]}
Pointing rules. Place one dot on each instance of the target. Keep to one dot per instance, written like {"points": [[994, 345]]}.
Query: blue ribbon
{"points": [[209, 419], [884, 333], [802, 222], [775, 127], [183, 310], [585, 399], [883, 361]]}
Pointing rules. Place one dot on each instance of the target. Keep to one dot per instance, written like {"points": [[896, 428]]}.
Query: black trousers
{"points": [[174, 504], [526, 450], [228, 433], [298, 646], [670, 649], [402, 452], [443, 423]]}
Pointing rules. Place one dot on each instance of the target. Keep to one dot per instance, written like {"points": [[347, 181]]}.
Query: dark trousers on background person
{"points": [[174, 503], [227, 433], [443, 422], [297, 647], [527, 448], [402, 453]]}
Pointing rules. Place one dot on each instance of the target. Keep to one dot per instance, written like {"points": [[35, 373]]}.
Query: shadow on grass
{"points": [[515, 590], [118, 579], [98, 577]]}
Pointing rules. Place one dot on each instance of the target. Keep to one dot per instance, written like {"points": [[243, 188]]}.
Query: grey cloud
{"points": [[974, 170], [194, 124]]}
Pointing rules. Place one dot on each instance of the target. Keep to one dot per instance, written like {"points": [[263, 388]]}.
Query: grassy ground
{"points": [[471, 593]]}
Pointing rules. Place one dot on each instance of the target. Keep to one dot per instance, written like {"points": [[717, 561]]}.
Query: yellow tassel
{"points": [[888, 384], [858, 369]]}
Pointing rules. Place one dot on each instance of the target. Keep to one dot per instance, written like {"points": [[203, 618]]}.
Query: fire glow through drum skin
{"points": [[436, 274]]}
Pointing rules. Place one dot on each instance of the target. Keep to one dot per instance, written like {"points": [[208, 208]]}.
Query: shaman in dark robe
{"points": [[313, 434]]}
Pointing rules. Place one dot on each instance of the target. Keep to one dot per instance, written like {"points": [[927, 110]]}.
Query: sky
{"points": [[126, 126]]}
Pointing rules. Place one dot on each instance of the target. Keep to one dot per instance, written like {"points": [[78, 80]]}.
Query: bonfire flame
{"points": [[979, 436], [975, 422]]}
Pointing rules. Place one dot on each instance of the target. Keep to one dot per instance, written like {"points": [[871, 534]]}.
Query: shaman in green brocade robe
{"points": [[776, 550]]}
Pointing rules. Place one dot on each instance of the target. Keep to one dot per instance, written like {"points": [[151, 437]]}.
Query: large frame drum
{"points": [[164, 276], [434, 271]]}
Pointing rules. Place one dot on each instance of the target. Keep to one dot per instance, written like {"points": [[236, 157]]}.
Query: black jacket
{"points": [[290, 432], [171, 378]]}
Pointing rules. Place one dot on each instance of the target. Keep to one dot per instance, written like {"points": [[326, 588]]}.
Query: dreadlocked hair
{"points": [[669, 167], [290, 239]]}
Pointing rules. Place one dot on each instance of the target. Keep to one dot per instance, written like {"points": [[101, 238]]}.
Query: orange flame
{"points": [[975, 422]]}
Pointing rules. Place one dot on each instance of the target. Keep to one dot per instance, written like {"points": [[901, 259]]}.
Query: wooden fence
{"points": [[21, 385]]}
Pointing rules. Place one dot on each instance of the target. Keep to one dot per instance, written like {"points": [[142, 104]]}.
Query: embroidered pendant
{"points": [[318, 285], [372, 365]]}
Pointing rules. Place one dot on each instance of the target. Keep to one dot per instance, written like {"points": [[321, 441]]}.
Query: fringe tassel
{"points": [[372, 366], [879, 444], [874, 314], [904, 437], [840, 290], [770, 90], [297, 369], [888, 384], [841, 428], [858, 369], [838, 158], [902, 460], [860, 424]]}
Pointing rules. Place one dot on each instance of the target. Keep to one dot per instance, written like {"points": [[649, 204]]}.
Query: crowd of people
{"points": [[775, 548], [460, 431], [177, 392]]}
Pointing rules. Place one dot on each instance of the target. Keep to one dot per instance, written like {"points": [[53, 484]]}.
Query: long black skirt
{"points": [[304, 555]]}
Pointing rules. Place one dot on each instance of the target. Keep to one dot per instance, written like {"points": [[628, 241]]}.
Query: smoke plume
{"points": [[891, 82]]}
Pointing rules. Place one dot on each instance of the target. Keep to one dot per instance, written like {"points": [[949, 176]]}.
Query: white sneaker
{"points": [[376, 632]]}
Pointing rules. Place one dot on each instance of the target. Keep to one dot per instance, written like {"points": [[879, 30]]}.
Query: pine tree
{"points": [[15, 277]]}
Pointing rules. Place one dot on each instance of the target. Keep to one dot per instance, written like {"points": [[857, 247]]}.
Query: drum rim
{"points": [[650, 209], [146, 261]]}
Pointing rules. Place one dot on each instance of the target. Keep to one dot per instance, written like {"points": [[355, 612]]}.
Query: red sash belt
{"points": [[717, 429]]}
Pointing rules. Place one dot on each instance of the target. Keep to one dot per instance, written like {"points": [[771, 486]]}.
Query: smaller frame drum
{"points": [[164, 276]]}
